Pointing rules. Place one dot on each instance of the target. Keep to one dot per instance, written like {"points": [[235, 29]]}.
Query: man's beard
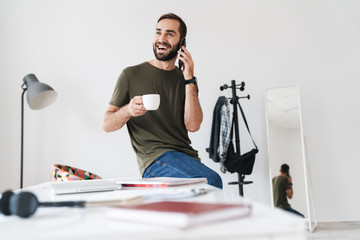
{"points": [[166, 57]]}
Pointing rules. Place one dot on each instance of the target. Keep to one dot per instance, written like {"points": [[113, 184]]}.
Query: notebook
{"points": [[84, 186]]}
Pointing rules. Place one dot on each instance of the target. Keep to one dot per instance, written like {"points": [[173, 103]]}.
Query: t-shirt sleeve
{"points": [[120, 95]]}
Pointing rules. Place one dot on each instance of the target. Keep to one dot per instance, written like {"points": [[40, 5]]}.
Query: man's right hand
{"points": [[135, 107]]}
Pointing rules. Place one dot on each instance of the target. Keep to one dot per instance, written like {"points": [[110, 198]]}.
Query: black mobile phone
{"points": [[180, 63]]}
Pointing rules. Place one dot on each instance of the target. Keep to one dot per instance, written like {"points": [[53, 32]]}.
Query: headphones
{"points": [[25, 204]]}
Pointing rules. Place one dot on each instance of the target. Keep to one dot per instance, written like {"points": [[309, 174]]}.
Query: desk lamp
{"points": [[39, 95]]}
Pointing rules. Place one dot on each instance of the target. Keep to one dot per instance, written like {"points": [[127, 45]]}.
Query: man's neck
{"points": [[164, 65], [282, 174]]}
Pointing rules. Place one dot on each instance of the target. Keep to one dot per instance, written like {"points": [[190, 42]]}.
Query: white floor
{"points": [[336, 230]]}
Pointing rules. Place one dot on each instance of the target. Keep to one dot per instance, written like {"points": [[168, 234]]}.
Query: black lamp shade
{"points": [[39, 95]]}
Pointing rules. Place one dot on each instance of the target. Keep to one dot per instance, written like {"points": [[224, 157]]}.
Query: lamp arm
{"points": [[22, 136]]}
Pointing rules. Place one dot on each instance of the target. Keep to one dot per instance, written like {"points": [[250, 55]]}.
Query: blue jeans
{"points": [[178, 164]]}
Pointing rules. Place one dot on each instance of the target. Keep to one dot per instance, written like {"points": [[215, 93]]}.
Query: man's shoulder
{"points": [[279, 178], [282, 178], [136, 67]]}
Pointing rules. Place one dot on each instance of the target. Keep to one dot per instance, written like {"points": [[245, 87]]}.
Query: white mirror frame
{"points": [[311, 212]]}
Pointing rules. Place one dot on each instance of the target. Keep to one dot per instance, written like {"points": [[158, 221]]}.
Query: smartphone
{"points": [[180, 63]]}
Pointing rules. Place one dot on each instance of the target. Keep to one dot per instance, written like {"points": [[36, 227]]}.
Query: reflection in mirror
{"points": [[286, 146]]}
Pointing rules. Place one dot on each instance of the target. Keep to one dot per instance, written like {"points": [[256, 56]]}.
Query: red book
{"points": [[179, 214]]}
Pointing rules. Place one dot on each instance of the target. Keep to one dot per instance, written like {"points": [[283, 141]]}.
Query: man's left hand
{"points": [[188, 69]]}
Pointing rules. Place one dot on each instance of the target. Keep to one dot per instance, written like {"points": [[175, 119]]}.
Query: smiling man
{"points": [[160, 138]]}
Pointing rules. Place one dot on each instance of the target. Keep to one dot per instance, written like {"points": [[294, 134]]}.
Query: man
{"points": [[160, 138], [282, 189]]}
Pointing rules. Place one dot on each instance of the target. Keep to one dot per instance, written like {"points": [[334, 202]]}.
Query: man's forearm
{"points": [[115, 117], [193, 115], [115, 120], [290, 192]]}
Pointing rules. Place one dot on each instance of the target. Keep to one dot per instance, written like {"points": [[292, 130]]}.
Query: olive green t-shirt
{"points": [[162, 130], [280, 185]]}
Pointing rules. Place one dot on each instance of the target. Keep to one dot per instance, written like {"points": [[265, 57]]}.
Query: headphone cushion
{"points": [[5, 202], [24, 204]]}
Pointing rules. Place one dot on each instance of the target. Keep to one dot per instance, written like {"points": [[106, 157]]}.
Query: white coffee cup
{"points": [[151, 101]]}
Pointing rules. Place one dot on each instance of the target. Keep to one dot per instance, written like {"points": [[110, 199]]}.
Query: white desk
{"points": [[92, 223]]}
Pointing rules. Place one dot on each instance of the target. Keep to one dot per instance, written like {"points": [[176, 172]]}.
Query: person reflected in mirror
{"points": [[283, 189]]}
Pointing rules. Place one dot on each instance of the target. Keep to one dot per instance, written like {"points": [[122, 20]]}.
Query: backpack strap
{"points": [[246, 124]]}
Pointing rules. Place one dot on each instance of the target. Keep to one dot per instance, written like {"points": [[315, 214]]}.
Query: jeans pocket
{"points": [[148, 174], [161, 163]]}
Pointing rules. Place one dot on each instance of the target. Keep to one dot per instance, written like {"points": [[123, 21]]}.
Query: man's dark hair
{"points": [[182, 29], [284, 168]]}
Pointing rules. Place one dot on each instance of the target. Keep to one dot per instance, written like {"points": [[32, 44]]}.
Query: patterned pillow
{"points": [[66, 173]]}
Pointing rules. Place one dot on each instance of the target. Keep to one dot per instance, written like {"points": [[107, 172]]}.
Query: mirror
{"points": [[286, 145]]}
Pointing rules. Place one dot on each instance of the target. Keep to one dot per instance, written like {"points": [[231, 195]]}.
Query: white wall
{"points": [[79, 48]]}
